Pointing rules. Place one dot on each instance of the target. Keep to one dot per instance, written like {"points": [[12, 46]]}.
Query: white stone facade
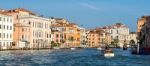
{"points": [[40, 31], [118, 31], [83, 36], [6, 31]]}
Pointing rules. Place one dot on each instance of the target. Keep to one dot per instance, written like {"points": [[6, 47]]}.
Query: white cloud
{"points": [[89, 6]]}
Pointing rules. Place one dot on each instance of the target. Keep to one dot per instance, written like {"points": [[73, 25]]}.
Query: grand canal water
{"points": [[66, 57]]}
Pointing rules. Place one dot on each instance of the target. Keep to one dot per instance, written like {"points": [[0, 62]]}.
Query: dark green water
{"points": [[66, 57]]}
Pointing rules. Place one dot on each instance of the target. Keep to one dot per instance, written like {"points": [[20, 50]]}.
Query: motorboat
{"points": [[72, 48], [99, 48], [124, 47], [108, 53], [134, 49]]}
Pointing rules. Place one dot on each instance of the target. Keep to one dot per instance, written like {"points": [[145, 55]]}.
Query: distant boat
{"points": [[108, 53], [124, 47], [134, 49], [99, 48], [72, 48]]}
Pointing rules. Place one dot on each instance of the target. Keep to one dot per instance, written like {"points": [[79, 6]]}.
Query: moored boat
{"points": [[125, 47]]}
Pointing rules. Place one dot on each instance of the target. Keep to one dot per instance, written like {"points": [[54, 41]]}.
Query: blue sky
{"points": [[89, 13]]}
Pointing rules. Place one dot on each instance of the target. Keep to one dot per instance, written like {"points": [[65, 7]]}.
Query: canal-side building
{"points": [[57, 39], [58, 32], [93, 39], [97, 38], [66, 34], [140, 23], [39, 29], [120, 32], [18, 27], [6, 31], [133, 37], [30, 30], [83, 37], [144, 35]]}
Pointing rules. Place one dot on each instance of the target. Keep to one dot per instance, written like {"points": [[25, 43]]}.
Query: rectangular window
{"points": [[56, 40], [22, 36], [117, 37], [39, 34], [117, 31], [29, 22], [111, 31], [10, 44], [3, 35], [10, 20], [33, 24], [0, 35], [7, 19], [57, 35], [22, 29], [14, 29], [7, 36], [33, 34], [33, 41], [4, 20], [10, 27], [0, 18], [4, 27], [10, 35], [47, 35], [50, 35], [0, 27], [7, 43], [7, 27]]}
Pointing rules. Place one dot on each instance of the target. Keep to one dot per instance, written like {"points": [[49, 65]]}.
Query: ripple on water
{"points": [[66, 57]]}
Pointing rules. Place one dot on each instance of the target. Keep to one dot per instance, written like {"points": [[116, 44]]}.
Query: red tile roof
{"points": [[20, 9]]}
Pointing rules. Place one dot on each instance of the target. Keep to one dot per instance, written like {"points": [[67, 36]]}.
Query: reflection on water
{"points": [[67, 57]]}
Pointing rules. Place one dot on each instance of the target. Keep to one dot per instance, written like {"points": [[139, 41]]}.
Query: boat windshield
{"points": [[109, 51]]}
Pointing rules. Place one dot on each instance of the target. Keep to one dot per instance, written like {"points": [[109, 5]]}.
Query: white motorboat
{"points": [[99, 48], [109, 53], [72, 48]]}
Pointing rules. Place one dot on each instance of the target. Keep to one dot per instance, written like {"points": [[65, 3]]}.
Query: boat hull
{"points": [[72, 48], [99, 48], [109, 55]]}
